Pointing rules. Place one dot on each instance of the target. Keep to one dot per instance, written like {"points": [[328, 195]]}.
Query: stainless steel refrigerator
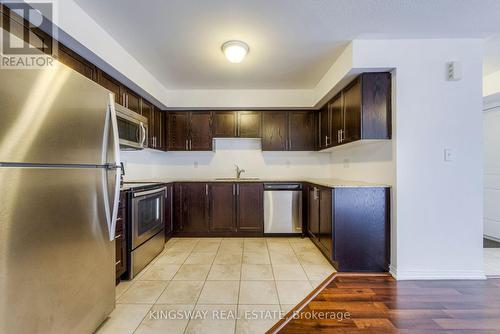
{"points": [[59, 191]]}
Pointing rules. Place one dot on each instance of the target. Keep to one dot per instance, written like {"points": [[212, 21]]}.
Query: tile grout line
{"points": [[302, 266], [154, 261], [203, 286]]}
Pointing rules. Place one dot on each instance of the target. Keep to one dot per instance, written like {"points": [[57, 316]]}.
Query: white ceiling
{"points": [[292, 42]]}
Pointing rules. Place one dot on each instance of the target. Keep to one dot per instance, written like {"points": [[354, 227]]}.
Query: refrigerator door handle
{"points": [[111, 209]]}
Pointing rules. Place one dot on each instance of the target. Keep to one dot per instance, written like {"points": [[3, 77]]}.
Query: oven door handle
{"points": [[149, 192]]}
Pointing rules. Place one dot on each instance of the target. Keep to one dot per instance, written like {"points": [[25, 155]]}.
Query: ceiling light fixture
{"points": [[235, 51]]}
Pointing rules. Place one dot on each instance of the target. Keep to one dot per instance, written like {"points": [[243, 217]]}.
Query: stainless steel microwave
{"points": [[132, 129]]}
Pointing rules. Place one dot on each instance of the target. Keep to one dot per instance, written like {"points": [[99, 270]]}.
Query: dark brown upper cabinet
{"points": [[131, 100], [112, 85], [337, 119], [123, 95], [201, 131], [76, 62], [302, 130], [222, 216], [361, 111], [249, 124], [325, 128], [274, 131], [156, 125], [225, 124], [189, 131], [237, 124], [178, 131]]}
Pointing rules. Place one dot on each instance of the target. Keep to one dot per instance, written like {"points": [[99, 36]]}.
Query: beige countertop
{"points": [[325, 182]]}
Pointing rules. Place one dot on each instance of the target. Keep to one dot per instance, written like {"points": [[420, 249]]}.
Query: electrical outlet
{"points": [[449, 155], [346, 163]]}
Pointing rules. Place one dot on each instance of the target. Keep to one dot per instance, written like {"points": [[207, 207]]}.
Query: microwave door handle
{"points": [[143, 131]]}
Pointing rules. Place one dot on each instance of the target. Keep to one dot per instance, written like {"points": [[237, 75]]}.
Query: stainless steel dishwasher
{"points": [[282, 208]]}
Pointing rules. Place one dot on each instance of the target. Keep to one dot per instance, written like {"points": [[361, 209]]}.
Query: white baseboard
{"points": [[436, 274]]}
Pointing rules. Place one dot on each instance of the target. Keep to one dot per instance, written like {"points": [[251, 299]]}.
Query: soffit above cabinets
{"points": [[292, 43]]}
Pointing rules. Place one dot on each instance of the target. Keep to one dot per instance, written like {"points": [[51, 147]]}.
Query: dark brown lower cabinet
{"points": [[222, 207], [191, 208], [325, 219], [169, 211], [313, 212], [250, 211], [120, 238], [218, 209], [351, 226]]}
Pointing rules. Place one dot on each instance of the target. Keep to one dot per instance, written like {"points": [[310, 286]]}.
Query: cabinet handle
{"points": [[237, 190], [234, 191], [206, 190], [187, 145], [190, 144], [342, 135], [118, 236], [118, 262], [326, 141]]}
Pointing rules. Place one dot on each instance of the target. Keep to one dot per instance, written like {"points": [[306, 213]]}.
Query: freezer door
{"points": [[51, 116], [57, 264]]}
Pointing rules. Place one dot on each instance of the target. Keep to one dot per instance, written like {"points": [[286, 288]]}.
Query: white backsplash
{"points": [[246, 153]]}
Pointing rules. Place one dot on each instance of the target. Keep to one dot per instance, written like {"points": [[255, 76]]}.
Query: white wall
{"points": [[437, 205], [220, 163], [491, 149], [491, 84], [79, 25]]}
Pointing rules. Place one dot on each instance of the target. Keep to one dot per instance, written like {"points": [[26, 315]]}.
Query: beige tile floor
{"points": [[491, 261], [229, 285]]}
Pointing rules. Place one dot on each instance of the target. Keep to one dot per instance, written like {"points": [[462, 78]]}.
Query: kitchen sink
{"points": [[236, 179]]}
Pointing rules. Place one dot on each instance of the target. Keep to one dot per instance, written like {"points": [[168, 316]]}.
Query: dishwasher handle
{"points": [[282, 186]]}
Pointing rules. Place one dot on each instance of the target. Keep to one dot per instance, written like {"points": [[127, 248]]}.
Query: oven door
{"points": [[148, 212]]}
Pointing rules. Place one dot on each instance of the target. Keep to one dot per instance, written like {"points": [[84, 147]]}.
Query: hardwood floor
{"points": [[380, 304]]}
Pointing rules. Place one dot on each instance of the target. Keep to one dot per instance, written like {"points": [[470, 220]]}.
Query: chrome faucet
{"points": [[239, 171]]}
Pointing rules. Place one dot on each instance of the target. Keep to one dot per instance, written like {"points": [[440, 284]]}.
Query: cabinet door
{"points": [[224, 124], [195, 208], [76, 62], [325, 219], [179, 213], [169, 211], [337, 118], [158, 128], [222, 207], [147, 111], [133, 101], [249, 124], [274, 131], [325, 129], [178, 131], [313, 210], [302, 130], [201, 131], [112, 85], [250, 211], [352, 112]]}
